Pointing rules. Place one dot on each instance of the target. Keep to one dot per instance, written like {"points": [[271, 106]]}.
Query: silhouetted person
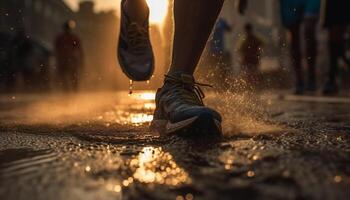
{"points": [[250, 50], [295, 13], [336, 19], [21, 54], [69, 57]]}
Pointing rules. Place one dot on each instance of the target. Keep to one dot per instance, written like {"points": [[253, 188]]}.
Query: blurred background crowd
{"points": [[56, 45]]}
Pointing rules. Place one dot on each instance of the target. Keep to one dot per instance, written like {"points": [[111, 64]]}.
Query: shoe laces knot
{"points": [[192, 90], [137, 37]]}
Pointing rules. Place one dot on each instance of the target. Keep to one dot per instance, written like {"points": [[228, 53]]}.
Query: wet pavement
{"points": [[98, 146]]}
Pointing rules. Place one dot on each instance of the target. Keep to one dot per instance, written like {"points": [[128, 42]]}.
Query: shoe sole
{"points": [[192, 127]]}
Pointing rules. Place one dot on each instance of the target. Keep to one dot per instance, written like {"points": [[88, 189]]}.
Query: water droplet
{"points": [[117, 188], [286, 173], [126, 183], [189, 196], [131, 83], [256, 157], [250, 174], [337, 179], [179, 198]]}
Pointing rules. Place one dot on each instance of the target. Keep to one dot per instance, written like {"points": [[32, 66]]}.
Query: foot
{"points": [[330, 88], [135, 52], [180, 109]]}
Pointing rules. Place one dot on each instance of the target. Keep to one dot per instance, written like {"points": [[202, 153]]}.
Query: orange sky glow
{"points": [[158, 7], [100, 4]]}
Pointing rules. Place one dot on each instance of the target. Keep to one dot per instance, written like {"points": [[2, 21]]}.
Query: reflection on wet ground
{"points": [[98, 146]]}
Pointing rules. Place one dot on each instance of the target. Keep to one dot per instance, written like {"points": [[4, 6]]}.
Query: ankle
{"points": [[178, 73], [137, 10]]}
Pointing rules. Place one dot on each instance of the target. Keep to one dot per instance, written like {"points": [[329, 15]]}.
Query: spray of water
{"points": [[239, 102], [243, 113]]}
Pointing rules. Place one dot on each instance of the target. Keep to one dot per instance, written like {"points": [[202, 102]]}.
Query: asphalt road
{"points": [[98, 146]]}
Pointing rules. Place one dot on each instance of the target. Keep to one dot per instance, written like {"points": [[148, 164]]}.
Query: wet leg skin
{"points": [[194, 21], [295, 50], [311, 48], [137, 10]]}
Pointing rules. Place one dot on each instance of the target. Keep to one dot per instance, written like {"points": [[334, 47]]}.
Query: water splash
{"points": [[131, 84], [243, 112]]}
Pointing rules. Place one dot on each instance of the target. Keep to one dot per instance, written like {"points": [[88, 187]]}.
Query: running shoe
{"points": [[135, 52], [180, 109]]}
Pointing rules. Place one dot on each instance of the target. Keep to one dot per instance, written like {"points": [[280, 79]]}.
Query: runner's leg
{"points": [[179, 103], [137, 10], [336, 49], [295, 50], [311, 50], [194, 21]]}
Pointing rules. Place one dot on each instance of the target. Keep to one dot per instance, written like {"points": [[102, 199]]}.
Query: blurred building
{"points": [[40, 19], [98, 33]]}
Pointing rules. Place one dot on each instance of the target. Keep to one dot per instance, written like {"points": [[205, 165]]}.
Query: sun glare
{"points": [[158, 10]]}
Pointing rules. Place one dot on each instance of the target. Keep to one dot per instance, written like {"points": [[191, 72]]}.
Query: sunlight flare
{"points": [[158, 10]]}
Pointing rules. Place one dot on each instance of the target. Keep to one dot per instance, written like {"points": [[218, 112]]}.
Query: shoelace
{"points": [[192, 85], [137, 37]]}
